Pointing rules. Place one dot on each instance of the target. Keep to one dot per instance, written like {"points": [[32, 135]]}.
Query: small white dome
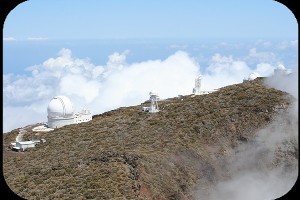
{"points": [[60, 106], [281, 67], [253, 76]]}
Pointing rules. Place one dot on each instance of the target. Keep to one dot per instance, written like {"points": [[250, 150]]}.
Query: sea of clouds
{"points": [[118, 83]]}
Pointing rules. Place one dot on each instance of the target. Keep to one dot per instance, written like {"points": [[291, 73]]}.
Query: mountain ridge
{"points": [[130, 154]]}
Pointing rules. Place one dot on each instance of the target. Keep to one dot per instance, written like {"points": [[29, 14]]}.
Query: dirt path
{"points": [[19, 137]]}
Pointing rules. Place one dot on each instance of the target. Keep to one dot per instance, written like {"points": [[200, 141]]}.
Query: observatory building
{"points": [[153, 106], [252, 76], [279, 71], [61, 112], [197, 88]]}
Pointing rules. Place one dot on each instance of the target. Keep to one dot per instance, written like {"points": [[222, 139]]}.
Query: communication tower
{"points": [[153, 98], [197, 88]]}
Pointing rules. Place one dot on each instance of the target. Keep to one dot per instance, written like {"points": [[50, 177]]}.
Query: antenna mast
{"points": [[197, 88], [153, 99]]}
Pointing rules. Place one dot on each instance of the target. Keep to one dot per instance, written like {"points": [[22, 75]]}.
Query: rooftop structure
{"points": [[153, 103], [251, 77], [21, 146], [42, 128], [153, 97], [84, 116], [197, 89], [60, 107]]}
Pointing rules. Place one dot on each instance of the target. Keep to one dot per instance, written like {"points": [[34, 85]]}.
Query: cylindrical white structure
{"points": [[198, 82], [197, 88], [253, 76], [153, 99], [59, 122]]}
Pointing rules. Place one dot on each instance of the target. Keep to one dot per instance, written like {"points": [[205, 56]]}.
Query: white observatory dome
{"points": [[281, 67], [253, 76], [60, 107]]}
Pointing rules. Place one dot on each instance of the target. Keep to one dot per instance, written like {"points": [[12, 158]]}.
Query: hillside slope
{"points": [[130, 154]]}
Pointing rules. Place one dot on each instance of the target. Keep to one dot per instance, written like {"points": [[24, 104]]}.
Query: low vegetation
{"points": [[129, 154]]}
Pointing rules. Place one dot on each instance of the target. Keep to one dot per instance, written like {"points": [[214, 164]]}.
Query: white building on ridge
{"points": [[197, 89], [61, 112], [21, 146], [153, 103], [153, 98], [251, 77]]}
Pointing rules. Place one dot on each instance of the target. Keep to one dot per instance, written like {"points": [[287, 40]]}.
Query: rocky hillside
{"points": [[180, 152]]}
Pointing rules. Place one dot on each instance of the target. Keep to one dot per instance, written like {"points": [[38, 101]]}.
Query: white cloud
{"points": [[264, 69], [285, 83], [261, 56], [294, 43], [99, 88], [131, 84], [37, 38], [79, 86], [178, 46], [115, 84], [116, 61], [224, 70], [263, 43], [49, 79], [9, 39], [283, 45], [267, 44], [287, 44]]}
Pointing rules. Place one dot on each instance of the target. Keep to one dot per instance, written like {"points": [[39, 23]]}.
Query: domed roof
{"points": [[253, 76], [60, 106], [281, 67]]}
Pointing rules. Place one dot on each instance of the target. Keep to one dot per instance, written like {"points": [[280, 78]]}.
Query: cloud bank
{"points": [[37, 38], [9, 39], [117, 83]]}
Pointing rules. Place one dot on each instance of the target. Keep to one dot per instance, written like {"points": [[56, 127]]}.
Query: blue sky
{"points": [[98, 19]]}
